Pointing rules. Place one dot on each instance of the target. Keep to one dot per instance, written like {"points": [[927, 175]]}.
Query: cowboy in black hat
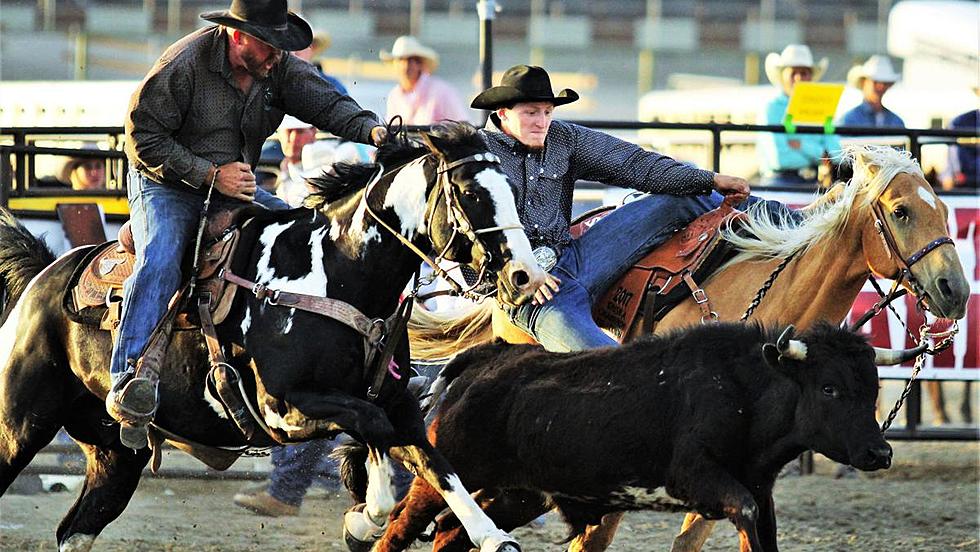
{"points": [[543, 158], [198, 121]]}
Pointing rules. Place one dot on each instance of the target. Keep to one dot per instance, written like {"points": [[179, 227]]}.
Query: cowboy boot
{"points": [[133, 403]]}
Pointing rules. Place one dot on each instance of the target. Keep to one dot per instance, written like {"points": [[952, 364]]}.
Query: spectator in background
{"points": [[84, 173], [873, 79], [791, 159], [294, 135], [321, 41], [419, 97], [961, 167]]}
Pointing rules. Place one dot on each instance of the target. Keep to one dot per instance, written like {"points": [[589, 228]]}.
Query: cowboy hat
{"points": [[522, 83], [267, 20], [292, 123], [878, 68], [408, 46], [794, 55]]}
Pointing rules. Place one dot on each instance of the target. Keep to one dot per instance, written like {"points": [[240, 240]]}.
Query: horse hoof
{"points": [[360, 532], [508, 547], [133, 436]]}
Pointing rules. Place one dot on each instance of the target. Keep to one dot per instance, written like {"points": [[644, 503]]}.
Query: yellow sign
{"points": [[814, 102]]}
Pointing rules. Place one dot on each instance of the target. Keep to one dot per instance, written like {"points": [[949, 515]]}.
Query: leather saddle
{"points": [[658, 282], [94, 295]]}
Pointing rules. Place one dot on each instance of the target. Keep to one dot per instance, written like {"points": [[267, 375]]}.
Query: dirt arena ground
{"points": [[927, 502]]}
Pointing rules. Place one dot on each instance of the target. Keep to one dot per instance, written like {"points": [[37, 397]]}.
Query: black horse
{"points": [[305, 372]]}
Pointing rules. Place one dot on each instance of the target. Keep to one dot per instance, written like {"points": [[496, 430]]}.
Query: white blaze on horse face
{"points": [[406, 196], [313, 283], [505, 210], [927, 197]]}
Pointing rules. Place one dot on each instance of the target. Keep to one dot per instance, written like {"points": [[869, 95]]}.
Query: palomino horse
{"points": [[304, 373], [885, 220]]}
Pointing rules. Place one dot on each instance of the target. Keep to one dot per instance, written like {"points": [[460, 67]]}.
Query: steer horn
{"points": [[789, 347], [891, 357]]}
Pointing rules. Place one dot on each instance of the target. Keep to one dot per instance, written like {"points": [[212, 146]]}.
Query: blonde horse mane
{"points": [[437, 336], [767, 238]]}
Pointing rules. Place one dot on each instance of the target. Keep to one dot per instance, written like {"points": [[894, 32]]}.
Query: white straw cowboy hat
{"points": [[794, 55], [292, 123], [408, 46], [267, 20], [878, 68]]}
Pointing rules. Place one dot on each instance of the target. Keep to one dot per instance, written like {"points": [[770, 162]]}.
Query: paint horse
{"points": [[303, 373], [886, 221]]}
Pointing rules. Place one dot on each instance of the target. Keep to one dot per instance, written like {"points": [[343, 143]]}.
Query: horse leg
{"points": [[694, 533], [597, 538], [111, 477], [366, 522], [509, 509], [410, 517], [966, 405], [935, 391]]}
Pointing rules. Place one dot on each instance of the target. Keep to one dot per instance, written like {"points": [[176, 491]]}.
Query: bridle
{"points": [[891, 249], [456, 217]]}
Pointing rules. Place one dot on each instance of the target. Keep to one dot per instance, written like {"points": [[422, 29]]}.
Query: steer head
{"points": [[835, 370]]}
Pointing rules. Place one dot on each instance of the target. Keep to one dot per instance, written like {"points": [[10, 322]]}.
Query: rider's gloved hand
{"points": [[379, 135]]}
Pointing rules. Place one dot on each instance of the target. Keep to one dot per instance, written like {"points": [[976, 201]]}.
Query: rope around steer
{"points": [[924, 334]]}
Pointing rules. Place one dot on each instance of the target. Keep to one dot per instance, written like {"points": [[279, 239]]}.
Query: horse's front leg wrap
{"points": [[366, 523]]}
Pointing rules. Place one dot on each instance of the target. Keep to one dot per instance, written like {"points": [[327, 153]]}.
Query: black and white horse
{"points": [[305, 372]]}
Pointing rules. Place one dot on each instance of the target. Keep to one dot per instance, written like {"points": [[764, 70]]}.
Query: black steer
{"points": [[711, 413]]}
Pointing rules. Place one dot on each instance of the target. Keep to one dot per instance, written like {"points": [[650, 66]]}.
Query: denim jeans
{"points": [[592, 263], [296, 467], [164, 221]]}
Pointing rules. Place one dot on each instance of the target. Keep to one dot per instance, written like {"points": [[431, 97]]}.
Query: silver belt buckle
{"points": [[546, 257]]}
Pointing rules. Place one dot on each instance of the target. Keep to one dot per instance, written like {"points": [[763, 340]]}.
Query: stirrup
{"points": [[135, 402], [133, 436]]}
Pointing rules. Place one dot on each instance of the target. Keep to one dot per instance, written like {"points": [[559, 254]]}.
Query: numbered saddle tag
{"points": [[546, 257]]}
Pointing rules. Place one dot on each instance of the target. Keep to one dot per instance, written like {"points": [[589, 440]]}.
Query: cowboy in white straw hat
{"points": [[420, 98], [791, 159], [873, 78]]}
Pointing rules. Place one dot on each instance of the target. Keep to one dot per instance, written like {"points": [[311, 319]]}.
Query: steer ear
{"points": [[771, 354]]}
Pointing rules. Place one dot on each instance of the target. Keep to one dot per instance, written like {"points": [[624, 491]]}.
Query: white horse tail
{"points": [[438, 336]]}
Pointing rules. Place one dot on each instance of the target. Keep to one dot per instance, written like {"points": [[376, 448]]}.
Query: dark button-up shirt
{"points": [[188, 114], [544, 180]]}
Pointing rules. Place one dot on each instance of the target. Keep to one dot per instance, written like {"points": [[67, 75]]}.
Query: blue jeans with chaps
{"points": [[593, 262], [164, 221]]}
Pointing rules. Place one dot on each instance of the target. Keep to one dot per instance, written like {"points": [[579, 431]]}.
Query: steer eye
{"points": [[900, 212], [831, 391]]}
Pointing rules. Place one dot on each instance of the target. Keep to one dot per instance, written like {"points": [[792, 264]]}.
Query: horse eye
{"points": [[900, 212], [471, 195], [831, 391]]}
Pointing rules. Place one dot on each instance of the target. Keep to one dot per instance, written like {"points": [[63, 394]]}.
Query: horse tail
{"points": [[22, 257], [437, 336], [353, 456]]}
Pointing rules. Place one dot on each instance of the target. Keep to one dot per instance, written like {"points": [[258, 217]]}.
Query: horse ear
{"points": [[864, 161], [435, 144]]}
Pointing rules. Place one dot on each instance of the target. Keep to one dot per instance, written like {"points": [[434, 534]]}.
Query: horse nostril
{"points": [[944, 287], [519, 278]]}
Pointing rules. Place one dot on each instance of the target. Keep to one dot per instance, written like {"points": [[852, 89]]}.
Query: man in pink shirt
{"points": [[419, 97]]}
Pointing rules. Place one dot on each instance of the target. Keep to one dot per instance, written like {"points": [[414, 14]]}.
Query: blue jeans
{"points": [[164, 221], [296, 467], [592, 263]]}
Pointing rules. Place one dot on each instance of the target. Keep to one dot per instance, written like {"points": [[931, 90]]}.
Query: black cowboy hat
{"points": [[267, 20], [522, 83]]}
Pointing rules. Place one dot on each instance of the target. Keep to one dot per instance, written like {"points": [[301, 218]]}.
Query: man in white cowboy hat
{"points": [[791, 159], [196, 122], [419, 97], [294, 135], [543, 158], [873, 78]]}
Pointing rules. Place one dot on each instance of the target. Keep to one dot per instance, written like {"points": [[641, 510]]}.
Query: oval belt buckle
{"points": [[546, 257]]}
